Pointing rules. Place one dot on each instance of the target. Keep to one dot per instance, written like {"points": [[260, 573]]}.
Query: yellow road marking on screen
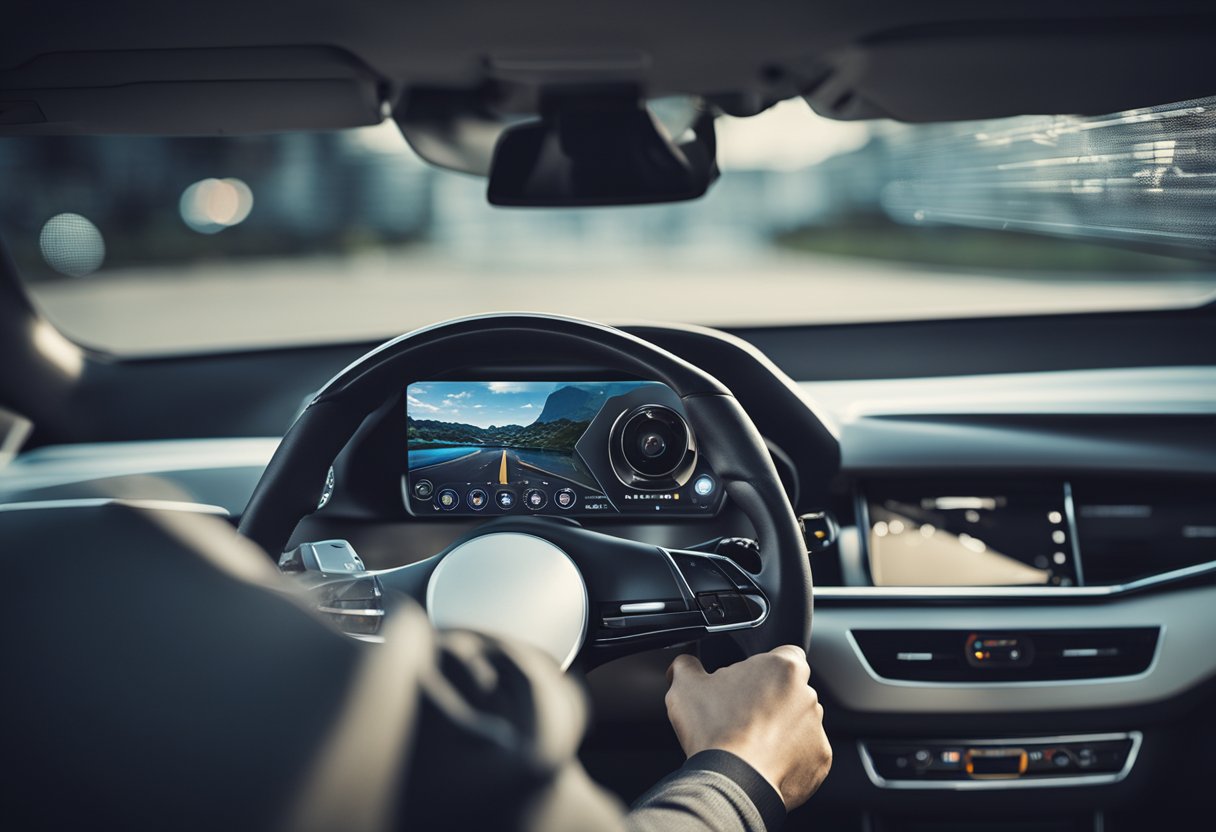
{"points": [[502, 470]]}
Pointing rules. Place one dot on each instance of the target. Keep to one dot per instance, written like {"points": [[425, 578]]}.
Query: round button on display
{"points": [[448, 499], [535, 499], [565, 498], [423, 489], [504, 499], [477, 499], [704, 485]]}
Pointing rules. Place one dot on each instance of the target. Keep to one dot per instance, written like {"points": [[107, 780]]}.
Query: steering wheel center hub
{"points": [[517, 586]]}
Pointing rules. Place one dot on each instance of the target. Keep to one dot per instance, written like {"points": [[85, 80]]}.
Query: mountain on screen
{"points": [[563, 420], [579, 404]]}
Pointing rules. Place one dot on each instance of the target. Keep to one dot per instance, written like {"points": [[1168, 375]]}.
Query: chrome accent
{"points": [[1070, 515], [914, 657], [370, 639], [1053, 781], [340, 611], [644, 606], [93, 502], [1080, 652]]}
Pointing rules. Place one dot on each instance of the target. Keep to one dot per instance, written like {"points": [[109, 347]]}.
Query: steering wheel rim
{"points": [[288, 488]]}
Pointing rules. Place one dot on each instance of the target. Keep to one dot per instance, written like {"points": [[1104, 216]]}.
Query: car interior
{"points": [[622, 330]]}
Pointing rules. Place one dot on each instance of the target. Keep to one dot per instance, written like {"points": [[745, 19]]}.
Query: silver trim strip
{"points": [[981, 593], [362, 612], [1053, 781], [1070, 516], [1083, 652], [644, 606], [979, 686], [93, 502]]}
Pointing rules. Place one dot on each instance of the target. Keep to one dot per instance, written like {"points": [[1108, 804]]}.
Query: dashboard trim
{"points": [[1070, 516], [1183, 659], [94, 502], [984, 686], [1059, 781], [1015, 593]]}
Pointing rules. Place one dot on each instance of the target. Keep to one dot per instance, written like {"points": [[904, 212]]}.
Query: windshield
{"points": [[150, 245]]}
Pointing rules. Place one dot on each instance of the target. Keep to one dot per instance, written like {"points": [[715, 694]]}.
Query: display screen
{"points": [[970, 535], [551, 447], [1131, 529]]}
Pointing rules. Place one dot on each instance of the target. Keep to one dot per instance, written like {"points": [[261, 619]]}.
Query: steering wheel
{"points": [[582, 596]]}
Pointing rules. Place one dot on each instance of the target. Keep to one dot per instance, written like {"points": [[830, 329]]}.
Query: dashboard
{"points": [[571, 448], [1101, 428], [1025, 570]]}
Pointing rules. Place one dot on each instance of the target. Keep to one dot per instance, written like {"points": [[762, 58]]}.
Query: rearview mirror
{"points": [[600, 151]]}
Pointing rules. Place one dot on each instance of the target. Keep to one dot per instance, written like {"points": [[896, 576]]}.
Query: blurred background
{"points": [[154, 245]]}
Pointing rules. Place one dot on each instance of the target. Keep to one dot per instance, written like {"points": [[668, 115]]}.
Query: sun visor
{"points": [[188, 92]]}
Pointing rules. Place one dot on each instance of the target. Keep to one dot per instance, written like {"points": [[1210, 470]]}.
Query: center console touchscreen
{"points": [[482, 448], [971, 534]]}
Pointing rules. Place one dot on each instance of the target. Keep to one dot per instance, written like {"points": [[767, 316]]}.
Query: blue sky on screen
{"points": [[480, 403]]}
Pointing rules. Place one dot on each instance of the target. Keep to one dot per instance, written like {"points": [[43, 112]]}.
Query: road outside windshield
{"points": [[155, 245]]}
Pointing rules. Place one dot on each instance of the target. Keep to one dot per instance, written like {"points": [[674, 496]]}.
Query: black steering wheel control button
{"points": [[737, 576], [477, 499], [448, 499], [701, 573], [504, 498], [423, 489], [535, 499], [727, 608], [711, 605], [565, 498]]}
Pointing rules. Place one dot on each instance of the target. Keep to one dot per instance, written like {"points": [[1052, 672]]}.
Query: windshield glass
{"points": [[147, 245]]}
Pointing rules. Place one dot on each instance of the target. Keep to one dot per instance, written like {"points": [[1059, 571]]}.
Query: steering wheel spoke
{"points": [[583, 596]]}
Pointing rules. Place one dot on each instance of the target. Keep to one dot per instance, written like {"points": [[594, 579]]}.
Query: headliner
{"points": [[222, 66]]}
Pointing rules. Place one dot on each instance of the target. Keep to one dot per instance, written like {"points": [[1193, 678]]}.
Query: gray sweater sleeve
{"points": [[714, 791]]}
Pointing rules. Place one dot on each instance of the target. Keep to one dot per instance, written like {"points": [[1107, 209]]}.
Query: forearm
{"points": [[715, 791]]}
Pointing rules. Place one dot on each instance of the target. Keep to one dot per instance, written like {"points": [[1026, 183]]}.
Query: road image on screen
{"points": [[503, 432]]}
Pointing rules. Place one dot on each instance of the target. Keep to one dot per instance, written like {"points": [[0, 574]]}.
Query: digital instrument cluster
{"points": [[487, 448]]}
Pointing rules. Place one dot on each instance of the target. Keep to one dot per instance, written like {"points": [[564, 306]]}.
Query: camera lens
{"points": [[652, 445], [652, 441]]}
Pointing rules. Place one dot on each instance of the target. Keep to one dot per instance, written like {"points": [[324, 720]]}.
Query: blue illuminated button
{"points": [[704, 486], [448, 499], [504, 498]]}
